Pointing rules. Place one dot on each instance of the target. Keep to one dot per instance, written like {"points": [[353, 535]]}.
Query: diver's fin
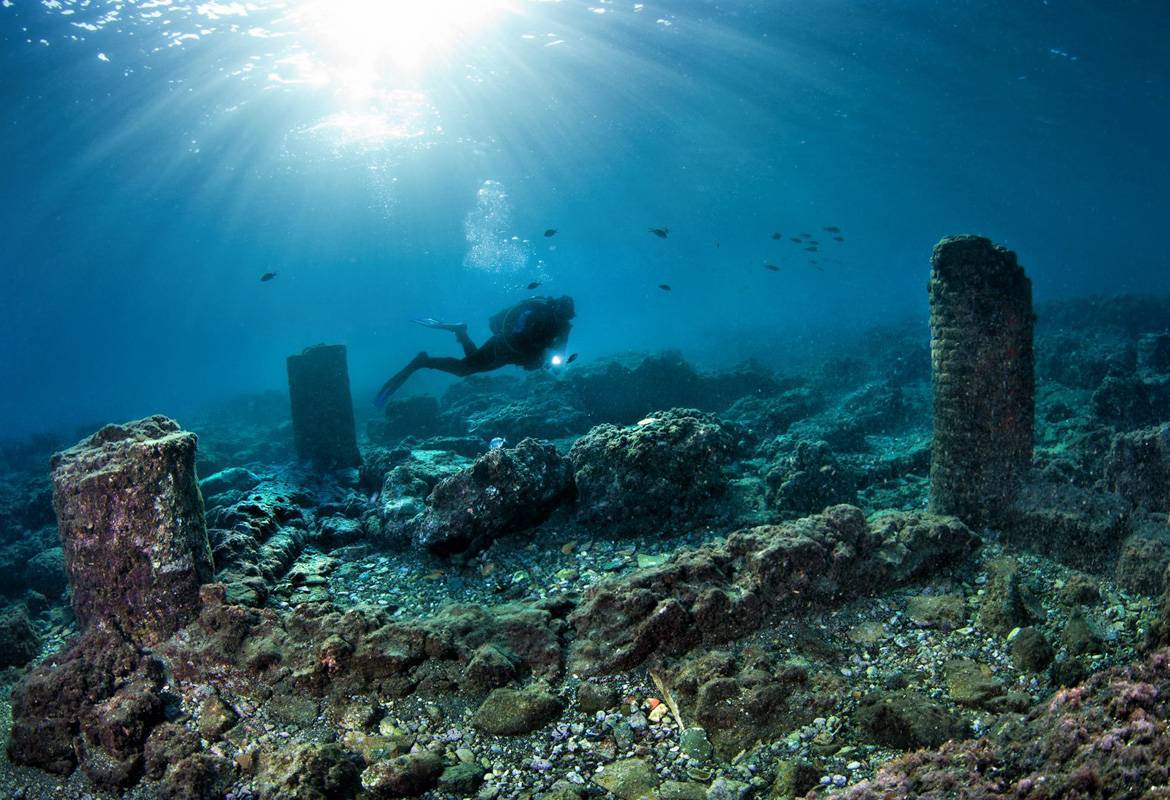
{"points": [[431, 322], [384, 393]]}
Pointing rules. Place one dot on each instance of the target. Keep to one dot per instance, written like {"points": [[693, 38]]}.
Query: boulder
{"points": [[509, 712], [504, 491], [1138, 467], [19, 641], [907, 720], [1145, 554], [1080, 527], [661, 471], [45, 572], [809, 480]]}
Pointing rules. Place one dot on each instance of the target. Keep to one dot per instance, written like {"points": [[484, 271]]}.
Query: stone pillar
{"points": [[322, 409], [984, 386], [131, 522]]}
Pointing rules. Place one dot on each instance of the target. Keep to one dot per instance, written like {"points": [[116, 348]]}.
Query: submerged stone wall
{"points": [[131, 522], [981, 325]]}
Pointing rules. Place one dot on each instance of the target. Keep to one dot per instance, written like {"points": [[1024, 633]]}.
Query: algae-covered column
{"points": [[322, 409], [984, 385], [131, 522]]}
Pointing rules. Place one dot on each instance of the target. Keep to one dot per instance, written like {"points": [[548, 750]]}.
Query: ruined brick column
{"points": [[984, 386], [322, 409], [131, 522]]}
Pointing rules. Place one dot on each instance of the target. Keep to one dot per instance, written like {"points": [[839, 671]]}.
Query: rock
{"points": [[594, 697], [658, 472], [1030, 650], [970, 683], [1009, 601], [45, 572], [1145, 555], [489, 668], [507, 489], [322, 409], [681, 790], [233, 479], [508, 712], [404, 776], [167, 744], [307, 771], [1154, 353], [215, 718], [723, 590], [772, 415], [19, 641], [1079, 590], [794, 777], [1079, 636], [1138, 467], [524, 418], [461, 779], [131, 522], [1127, 402], [1080, 527], [630, 779], [726, 789], [99, 674], [907, 720], [201, 776], [694, 743], [943, 611], [113, 732], [1099, 739], [809, 480]]}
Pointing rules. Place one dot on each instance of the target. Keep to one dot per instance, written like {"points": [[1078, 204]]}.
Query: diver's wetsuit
{"points": [[521, 335]]}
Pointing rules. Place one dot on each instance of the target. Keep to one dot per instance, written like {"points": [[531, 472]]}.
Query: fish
{"points": [[831, 229], [716, 244], [812, 248], [497, 443], [796, 239], [533, 285], [660, 232], [647, 421], [813, 241], [571, 358], [777, 237], [267, 276], [806, 235], [771, 267], [550, 232], [838, 238], [664, 287]]}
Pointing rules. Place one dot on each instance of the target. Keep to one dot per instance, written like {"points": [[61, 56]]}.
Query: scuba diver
{"points": [[521, 335]]}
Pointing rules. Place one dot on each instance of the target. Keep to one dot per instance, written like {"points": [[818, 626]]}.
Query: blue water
{"points": [[159, 156]]}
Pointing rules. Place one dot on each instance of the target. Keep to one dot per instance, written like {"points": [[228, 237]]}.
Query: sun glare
{"points": [[403, 36]]}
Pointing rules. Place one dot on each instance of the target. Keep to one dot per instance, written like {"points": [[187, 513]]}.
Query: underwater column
{"points": [[982, 360], [322, 409], [131, 521]]}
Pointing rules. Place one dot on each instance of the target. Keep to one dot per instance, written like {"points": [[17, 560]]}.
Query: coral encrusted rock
{"points": [[505, 490], [661, 470], [132, 528], [720, 591]]}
